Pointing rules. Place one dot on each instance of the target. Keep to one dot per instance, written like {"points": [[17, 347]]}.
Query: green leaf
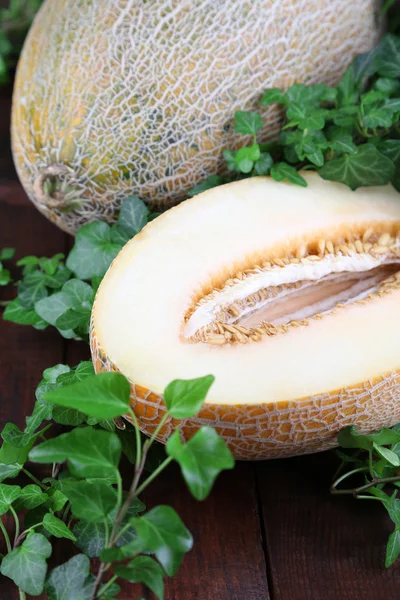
{"points": [[343, 144], [387, 58], [93, 251], [15, 437], [30, 497], [91, 537], [57, 527], [5, 276], [51, 308], [184, 398], [8, 493], [58, 499], [90, 452], [68, 416], [346, 89], [387, 454], [90, 501], [263, 164], [366, 167], [71, 580], [161, 531], [16, 313], [102, 396], [7, 253], [386, 85], [201, 459], [391, 149], [143, 569], [245, 158], [11, 455], [392, 505], [78, 294], [282, 171], [393, 548], [211, 182], [32, 289], [26, 565], [133, 215], [10, 471], [273, 95], [72, 319], [385, 436], [248, 123], [351, 438], [84, 369]]}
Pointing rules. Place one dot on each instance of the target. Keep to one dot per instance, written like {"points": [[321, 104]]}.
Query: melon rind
{"points": [[273, 430], [340, 370], [138, 98]]}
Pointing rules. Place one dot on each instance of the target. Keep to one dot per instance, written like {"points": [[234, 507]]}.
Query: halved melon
{"points": [[289, 296]]}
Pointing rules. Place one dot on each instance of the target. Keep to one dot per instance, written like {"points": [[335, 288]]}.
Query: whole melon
{"points": [[121, 97], [292, 306]]}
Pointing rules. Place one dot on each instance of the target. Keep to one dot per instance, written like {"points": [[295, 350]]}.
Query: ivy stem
{"points": [[348, 474], [106, 586], [119, 489], [138, 441], [25, 533], [34, 479], [14, 514], [6, 536], [154, 474], [362, 488], [107, 531], [155, 433], [4, 303], [21, 594]]}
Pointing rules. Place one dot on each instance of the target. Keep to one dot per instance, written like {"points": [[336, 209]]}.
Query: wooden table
{"points": [[269, 530]]}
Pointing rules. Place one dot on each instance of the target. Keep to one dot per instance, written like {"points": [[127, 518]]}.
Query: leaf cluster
{"points": [[81, 498], [58, 292], [373, 461], [349, 133], [5, 275]]}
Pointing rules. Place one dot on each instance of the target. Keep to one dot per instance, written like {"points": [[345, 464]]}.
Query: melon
{"points": [[289, 296], [132, 97]]}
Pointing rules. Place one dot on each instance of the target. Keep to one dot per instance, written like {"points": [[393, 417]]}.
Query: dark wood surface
{"points": [[269, 530]]}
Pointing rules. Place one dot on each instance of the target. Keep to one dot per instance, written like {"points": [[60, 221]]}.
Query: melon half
{"points": [[134, 97], [289, 296]]}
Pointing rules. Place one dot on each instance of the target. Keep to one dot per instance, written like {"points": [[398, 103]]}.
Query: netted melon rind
{"points": [[138, 97]]}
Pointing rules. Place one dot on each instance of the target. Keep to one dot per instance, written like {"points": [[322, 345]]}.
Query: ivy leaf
{"points": [[7, 253], [387, 58], [26, 565], [391, 149], [72, 319], [57, 499], [272, 96], [210, 182], [8, 493], [248, 123], [91, 537], [245, 158], [184, 398], [201, 459], [343, 144], [51, 308], [57, 527], [392, 505], [71, 580], [90, 502], [133, 216], [351, 438], [263, 164], [11, 455], [15, 437], [84, 369], [366, 167], [16, 313], [10, 471], [30, 497], [78, 294], [102, 396], [390, 456], [143, 569], [90, 452], [161, 531], [393, 547], [93, 251], [32, 289], [385, 436], [68, 416], [282, 171]]}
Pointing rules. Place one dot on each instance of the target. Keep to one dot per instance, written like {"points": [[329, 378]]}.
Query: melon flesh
{"points": [[138, 97], [257, 254]]}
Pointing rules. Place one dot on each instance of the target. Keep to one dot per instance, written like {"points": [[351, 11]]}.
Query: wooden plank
{"points": [[24, 352], [321, 546]]}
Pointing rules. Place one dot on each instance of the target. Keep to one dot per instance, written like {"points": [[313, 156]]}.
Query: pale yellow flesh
{"points": [[139, 310]]}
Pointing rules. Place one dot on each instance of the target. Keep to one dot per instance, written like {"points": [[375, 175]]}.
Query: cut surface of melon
{"points": [[282, 293]]}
